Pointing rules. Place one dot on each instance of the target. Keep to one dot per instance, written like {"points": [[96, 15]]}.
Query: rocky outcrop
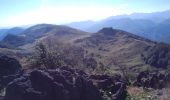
{"points": [[56, 84], [154, 80], [9, 68], [64, 84], [108, 31], [118, 91], [115, 88], [157, 56], [59, 84]]}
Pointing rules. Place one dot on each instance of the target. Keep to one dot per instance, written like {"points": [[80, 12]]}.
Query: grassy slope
{"points": [[121, 47]]}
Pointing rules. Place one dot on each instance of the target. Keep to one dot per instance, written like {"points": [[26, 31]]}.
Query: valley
{"points": [[72, 64], [85, 50]]}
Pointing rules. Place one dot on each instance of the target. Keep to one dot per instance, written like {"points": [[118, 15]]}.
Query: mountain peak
{"points": [[108, 31]]}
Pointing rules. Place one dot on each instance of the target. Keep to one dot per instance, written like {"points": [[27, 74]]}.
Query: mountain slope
{"points": [[2, 33], [140, 27], [161, 31], [110, 46], [40, 31], [157, 56], [14, 40], [136, 26], [154, 26], [15, 31]]}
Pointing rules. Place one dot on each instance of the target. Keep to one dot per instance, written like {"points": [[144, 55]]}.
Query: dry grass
{"points": [[136, 93], [134, 90], [164, 94]]}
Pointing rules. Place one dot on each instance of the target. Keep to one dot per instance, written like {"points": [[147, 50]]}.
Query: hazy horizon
{"points": [[21, 12]]}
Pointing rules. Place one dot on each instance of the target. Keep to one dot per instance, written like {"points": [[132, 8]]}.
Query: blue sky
{"points": [[23, 12]]}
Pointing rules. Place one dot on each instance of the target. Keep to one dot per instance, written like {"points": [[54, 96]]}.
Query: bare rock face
{"points": [[9, 68], [60, 84], [157, 56], [112, 85], [153, 80], [56, 84], [108, 31], [118, 91], [64, 84]]}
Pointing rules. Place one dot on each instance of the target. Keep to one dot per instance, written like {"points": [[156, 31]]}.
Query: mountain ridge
{"points": [[41, 30], [135, 23]]}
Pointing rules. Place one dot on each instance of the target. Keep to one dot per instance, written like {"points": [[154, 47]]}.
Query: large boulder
{"points": [[112, 85], [9, 68], [64, 84], [59, 84], [155, 80], [118, 91], [103, 81]]}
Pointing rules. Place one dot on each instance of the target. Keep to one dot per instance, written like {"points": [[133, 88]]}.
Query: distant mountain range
{"points": [[154, 26], [3, 33], [13, 31], [126, 38], [18, 37], [115, 46], [105, 45]]}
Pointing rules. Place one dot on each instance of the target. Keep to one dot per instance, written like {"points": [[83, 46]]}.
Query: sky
{"points": [[27, 12]]}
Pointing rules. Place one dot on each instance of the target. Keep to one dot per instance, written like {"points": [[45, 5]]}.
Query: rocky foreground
{"points": [[155, 80], [68, 83], [56, 84]]}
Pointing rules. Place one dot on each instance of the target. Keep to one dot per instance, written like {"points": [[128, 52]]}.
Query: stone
{"points": [[8, 66], [52, 85], [9, 69]]}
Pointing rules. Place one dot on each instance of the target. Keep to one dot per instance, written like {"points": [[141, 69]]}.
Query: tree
{"points": [[41, 51], [43, 57]]}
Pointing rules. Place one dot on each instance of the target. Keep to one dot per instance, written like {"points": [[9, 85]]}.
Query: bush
{"points": [[51, 57]]}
